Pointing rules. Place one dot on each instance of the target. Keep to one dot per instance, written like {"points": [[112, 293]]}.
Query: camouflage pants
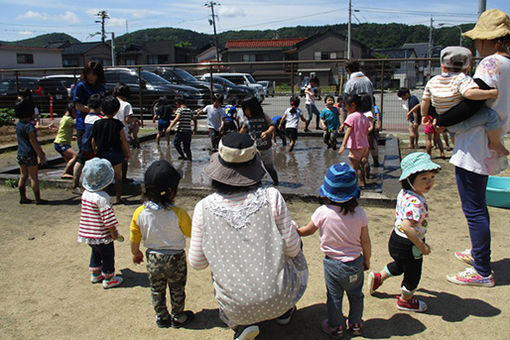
{"points": [[167, 269]]}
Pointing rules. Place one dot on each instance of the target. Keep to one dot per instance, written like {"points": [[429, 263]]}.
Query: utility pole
{"points": [[113, 48], [212, 22], [482, 5], [431, 44], [349, 32], [103, 15]]}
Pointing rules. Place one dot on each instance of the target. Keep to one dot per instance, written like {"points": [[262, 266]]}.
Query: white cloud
{"points": [[25, 33], [67, 17], [34, 15], [232, 12], [116, 22], [91, 11]]}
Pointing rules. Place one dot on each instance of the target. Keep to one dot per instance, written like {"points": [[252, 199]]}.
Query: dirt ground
{"points": [[46, 291]]}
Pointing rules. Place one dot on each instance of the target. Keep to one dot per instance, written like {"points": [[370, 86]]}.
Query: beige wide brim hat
{"points": [[491, 24]]}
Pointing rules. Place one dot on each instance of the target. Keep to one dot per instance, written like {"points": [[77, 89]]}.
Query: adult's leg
{"points": [[472, 188], [335, 293]]}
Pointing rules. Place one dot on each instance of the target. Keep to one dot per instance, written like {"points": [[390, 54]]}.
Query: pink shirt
{"points": [[340, 235], [359, 136]]}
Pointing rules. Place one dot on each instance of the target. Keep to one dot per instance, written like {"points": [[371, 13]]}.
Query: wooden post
{"points": [[140, 94], [292, 78]]}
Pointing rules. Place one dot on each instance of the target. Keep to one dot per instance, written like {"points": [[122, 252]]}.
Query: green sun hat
{"points": [[417, 162]]}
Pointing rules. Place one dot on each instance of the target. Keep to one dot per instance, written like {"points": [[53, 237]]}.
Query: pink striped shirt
{"points": [[281, 215], [96, 218]]}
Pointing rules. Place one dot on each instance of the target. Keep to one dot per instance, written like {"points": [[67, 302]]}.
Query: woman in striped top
{"points": [[98, 223], [183, 118]]}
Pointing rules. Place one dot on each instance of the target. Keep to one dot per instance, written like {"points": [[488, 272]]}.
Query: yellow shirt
{"points": [[65, 131]]}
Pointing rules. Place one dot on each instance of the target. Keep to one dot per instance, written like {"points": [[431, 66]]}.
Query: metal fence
{"points": [[285, 77]]}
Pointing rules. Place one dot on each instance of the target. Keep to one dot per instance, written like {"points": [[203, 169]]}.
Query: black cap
{"points": [[160, 176]]}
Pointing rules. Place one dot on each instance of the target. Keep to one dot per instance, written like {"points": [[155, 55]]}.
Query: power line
{"points": [[420, 13]]}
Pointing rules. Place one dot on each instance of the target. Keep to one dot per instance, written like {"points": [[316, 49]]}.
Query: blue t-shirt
{"points": [[82, 93], [377, 113], [23, 129], [412, 102], [331, 118], [86, 140]]}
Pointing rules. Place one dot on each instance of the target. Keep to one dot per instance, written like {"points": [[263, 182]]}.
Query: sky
{"points": [[21, 19]]}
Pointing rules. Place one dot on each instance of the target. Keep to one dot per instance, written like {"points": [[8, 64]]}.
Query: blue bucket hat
{"points": [[97, 174], [340, 183], [416, 162]]}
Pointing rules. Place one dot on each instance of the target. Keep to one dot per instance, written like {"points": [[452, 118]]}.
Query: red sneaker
{"points": [[411, 305], [375, 282]]}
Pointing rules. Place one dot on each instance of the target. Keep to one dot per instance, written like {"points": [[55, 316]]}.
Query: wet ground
{"points": [[301, 171]]}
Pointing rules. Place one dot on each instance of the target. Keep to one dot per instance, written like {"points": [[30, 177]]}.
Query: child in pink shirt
{"points": [[356, 137], [344, 239]]}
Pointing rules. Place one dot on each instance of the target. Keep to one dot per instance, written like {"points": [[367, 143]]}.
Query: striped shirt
{"points": [[184, 122], [96, 218], [446, 90], [280, 213]]}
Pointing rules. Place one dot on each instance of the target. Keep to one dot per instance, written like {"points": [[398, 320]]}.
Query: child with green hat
{"points": [[407, 241]]}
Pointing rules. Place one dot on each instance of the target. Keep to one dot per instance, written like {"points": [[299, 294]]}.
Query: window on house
{"points": [[70, 62], [332, 55], [249, 57], [317, 55], [130, 61], [24, 58]]}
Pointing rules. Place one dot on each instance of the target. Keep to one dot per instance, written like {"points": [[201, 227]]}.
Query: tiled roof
{"points": [[262, 43], [81, 47], [27, 48]]}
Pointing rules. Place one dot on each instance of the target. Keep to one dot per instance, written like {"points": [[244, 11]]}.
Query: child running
{"points": [[110, 142], [98, 223], [28, 151], [279, 132], [356, 136], [163, 113], [407, 241], [449, 88], [62, 142], [345, 241], [183, 118], [291, 118], [330, 122], [229, 120], [162, 227]]}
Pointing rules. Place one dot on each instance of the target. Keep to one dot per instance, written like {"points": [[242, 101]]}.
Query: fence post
{"points": [[17, 81], [211, 83], [140, 94], [382, 93], [292, 78]]}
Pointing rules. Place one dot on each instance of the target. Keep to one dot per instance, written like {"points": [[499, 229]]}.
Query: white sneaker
{"points": [[113, 282], [247, 333]]}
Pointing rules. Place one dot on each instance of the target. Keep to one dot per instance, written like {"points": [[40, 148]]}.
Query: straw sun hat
{"points": [[491, 24]]}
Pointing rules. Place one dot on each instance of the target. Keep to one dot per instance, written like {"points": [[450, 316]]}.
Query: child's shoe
{"points": [[411, 305], [112, 282], [287, 317], [470, 277], [164, 323], [246, 332], [465, 256], [336, 332], [96, 278], [182, 320], [355, 328], [375, 282]]}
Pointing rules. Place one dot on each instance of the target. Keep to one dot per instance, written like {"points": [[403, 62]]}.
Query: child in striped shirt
{"points": [[182, 121], [450, 87], [98, 224]]}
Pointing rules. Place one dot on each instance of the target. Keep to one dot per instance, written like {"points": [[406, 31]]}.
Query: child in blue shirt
{"points": [[330, 122], [279, 132]]}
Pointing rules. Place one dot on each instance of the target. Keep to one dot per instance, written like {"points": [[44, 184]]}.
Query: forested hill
{"points": [[372, 35]]}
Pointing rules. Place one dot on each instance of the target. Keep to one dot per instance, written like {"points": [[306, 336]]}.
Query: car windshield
{"points": [[250, 79], [184, 75], [264, 82], [4, 86], [154, 79], [225, 81]]}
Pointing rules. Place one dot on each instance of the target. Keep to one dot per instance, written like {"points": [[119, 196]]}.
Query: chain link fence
{"points": [[53, 87]]}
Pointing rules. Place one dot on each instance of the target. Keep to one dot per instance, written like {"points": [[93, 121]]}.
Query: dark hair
{"points": [[294, 102], [179, 100], [352, 65], [218, 98], [366, 102], [326, 97], [96, 68], [339, 99], [167, 198], [70, 107], [121, 90], [231, 189], [455, 69], [405, 183], [502, 43], [315, 80], [24, 108], [345, 207], [163, 100], [111, 105], [353, 99], [253, 104], [25, 92], [95, 101], [403, 91]]}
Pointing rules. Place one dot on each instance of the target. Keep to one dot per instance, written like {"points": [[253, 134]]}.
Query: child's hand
{"points": [[138, 257], [366, 264], [114, 234], [425, 249]]}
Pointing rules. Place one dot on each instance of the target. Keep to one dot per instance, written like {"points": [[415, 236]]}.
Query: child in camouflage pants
{"points": [[162, 227]]}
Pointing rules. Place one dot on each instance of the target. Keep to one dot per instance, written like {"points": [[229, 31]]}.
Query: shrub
{"points": [[6, 116]]}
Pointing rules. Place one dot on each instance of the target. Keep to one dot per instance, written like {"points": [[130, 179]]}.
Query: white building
{"points": [[29, 57]]}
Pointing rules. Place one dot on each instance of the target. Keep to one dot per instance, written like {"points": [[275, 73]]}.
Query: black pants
{"points": [[401, 250], [184, 138], [215, 137], [79, 136], [103, 257]]}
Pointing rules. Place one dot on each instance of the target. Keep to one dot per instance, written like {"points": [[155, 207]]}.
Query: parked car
{"points": [[268, 87], [183, 77], [235, 94], [304, 84], [68, 81], [9, 91], [58, 91], [152, 87], [245, 79]]}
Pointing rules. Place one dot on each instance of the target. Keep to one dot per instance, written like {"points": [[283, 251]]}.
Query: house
{"points": [[78, 55], [403, 73], [149, 52], [207, 54], [422, 51], [29, 57], [327, 45]]}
